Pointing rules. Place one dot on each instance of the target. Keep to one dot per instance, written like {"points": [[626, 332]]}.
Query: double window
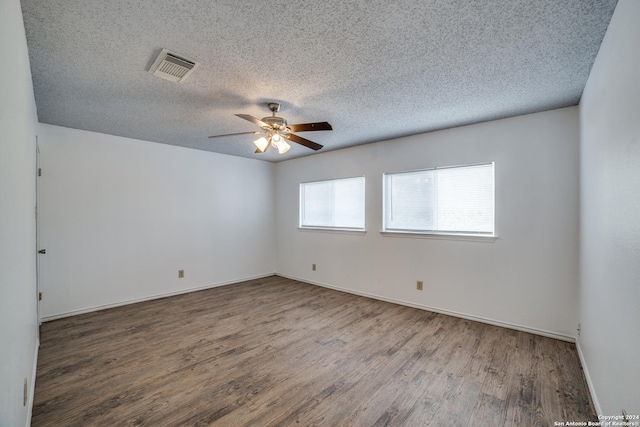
{"points": [[448, 201]]}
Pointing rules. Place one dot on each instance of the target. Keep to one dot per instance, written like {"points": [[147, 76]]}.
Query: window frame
{"points": [[301, 199], [436, 234]]}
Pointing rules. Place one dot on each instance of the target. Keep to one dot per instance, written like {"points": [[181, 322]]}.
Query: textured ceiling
{"points": [[375, 70]]}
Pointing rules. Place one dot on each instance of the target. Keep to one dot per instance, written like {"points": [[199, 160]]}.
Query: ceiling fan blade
{"points": [[302, 141], [308, 127], [255, 132], [253, 120]]}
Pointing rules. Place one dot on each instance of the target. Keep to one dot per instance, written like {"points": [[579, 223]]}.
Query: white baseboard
{"points": [[32, 385], [337, 288], [148, 298], [493, 322], [585, 369]]}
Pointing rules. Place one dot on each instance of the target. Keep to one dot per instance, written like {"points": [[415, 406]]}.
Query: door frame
{"points": [[37, 219]]}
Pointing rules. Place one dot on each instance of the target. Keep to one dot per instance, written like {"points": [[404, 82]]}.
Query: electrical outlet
{"points": [[180, 274], [419, 285], [25, 393], [313, 267]]}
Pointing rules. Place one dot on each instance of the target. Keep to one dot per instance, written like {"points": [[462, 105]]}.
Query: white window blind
{"points": [[454, 200], [337, 203]]}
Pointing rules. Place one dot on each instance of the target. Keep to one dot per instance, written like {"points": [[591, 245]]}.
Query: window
{"points": [[453, 200], [337, 204]]}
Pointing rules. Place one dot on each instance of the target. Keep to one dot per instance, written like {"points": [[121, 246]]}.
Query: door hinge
{"points": [[39, 296], [39, 171], [42, 251]]}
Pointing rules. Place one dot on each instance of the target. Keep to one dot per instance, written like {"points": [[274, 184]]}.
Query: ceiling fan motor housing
{"points": [[277, 123]]}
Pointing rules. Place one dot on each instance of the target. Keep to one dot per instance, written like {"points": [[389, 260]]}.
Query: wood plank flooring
{"points": [[276, 352]]}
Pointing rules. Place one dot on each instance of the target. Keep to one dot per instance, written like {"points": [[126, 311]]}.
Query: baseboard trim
{"points": [[587, 376], [493, 322], [32, 384], [149, 298]]}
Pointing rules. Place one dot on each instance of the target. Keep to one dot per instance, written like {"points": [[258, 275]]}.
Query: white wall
{"points": [[119, 217], [18, 124], [610, 216], [528, 277]]}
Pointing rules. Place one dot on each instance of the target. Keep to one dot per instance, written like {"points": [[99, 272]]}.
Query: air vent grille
{"points": [[170, 66]]}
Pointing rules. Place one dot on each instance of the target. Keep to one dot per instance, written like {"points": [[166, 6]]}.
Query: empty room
{"points": [[319, 213]]}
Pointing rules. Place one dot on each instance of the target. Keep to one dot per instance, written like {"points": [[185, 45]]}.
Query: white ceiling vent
{"points": [[170, 66]]}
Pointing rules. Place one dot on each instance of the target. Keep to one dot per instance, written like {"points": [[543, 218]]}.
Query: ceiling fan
{"points": [[276, 131]]}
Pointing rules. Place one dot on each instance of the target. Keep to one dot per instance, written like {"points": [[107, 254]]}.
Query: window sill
{"points": [[441, 236], [355, 231]]}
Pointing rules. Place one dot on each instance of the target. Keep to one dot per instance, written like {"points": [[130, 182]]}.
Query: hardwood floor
{"points": [[275, 351]]}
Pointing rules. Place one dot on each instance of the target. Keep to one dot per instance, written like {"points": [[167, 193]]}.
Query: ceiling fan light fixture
{"points": [[261, 144], [282, 146], [277, 132]]}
